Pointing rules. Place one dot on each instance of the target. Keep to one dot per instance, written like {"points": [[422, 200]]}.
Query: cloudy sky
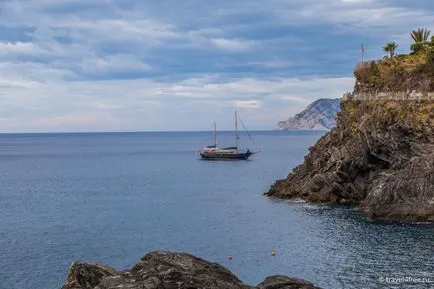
{"points": [[128, 65]]}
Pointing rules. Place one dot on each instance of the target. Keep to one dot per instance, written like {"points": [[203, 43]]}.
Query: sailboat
{"points": [[228, 153]]}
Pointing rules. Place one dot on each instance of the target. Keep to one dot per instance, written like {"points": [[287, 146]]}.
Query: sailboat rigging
{"points": [[229, 153]]}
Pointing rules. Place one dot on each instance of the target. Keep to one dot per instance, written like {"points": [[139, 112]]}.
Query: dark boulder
{"points": [[169, 270], [284, 282]]}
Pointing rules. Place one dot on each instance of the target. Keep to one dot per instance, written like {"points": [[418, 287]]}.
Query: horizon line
{"points": [[132, 131], [148, 131]]}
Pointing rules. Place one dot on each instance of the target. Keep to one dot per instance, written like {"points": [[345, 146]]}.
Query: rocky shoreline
{"points": [[169, 270], [380, 157]]}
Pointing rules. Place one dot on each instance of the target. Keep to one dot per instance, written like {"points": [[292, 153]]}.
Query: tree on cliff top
{"points": [[390, 48], [420, 37]]}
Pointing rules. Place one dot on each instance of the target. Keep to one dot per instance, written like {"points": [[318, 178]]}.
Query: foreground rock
{"points": [[168, 270], [380, 156]]}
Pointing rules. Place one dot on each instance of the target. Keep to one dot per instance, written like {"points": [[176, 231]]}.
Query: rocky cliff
{"points": [[380, 155], [319, 115], [168, 270]]}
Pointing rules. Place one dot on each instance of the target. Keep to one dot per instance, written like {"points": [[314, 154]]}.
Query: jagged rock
{"points": [[410, 191], [169, 270], [379, 156], [319, 115]]}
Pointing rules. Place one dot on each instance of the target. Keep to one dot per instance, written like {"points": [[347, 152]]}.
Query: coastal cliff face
{"points": [[319, 115], [168, 270], [380, 156]]}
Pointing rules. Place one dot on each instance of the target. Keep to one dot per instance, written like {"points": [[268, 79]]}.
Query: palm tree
{"points": [[420, 35], [390, 48]]}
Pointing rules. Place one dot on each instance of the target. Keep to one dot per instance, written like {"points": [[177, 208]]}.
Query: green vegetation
{"points": [[420, 35], [390, 48], [420, 38], [417, 115], [400, 72]]}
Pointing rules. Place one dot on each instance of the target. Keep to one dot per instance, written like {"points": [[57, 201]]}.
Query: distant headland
{"points": [[319, 115]]}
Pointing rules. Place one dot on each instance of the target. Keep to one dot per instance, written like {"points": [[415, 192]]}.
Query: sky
{"points": [[148, 65]]}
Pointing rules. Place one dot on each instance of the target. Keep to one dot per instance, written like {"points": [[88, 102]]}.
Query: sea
{"points": [[113, 197]]}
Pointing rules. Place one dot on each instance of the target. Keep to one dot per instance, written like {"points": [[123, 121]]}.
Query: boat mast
{"points": [[236, 130], [215, 136]]}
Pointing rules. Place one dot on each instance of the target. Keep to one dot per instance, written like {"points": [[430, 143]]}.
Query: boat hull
{"points": [[225, 156]]}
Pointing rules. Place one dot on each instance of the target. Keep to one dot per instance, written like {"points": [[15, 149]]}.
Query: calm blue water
{"points": [[111, 198]]}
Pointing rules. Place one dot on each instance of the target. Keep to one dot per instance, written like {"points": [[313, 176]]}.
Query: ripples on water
{"points": [[111, 198]]}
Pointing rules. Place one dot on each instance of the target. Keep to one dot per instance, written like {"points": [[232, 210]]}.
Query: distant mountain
{"points": [[319, 115]]}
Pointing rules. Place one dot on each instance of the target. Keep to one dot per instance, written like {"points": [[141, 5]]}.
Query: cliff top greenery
{"points": [[400, 72]]}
